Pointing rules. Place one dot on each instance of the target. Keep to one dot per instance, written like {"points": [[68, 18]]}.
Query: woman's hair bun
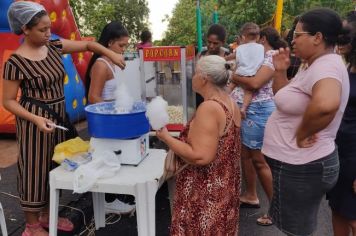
{"points": [[344, 36], [227, 66]]}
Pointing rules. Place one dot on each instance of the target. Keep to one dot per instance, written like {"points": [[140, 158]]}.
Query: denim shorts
{"points": [[298, 191], [253, 126]]}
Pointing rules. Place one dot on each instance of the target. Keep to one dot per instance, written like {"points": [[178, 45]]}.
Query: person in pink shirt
{"points": [[299, 136], [146, 40]]}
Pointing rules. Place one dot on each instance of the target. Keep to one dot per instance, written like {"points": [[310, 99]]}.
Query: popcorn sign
{"points": [[161, 54]]}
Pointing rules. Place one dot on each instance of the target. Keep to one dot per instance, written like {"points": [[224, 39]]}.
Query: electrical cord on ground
{"points": [[10, 195], [90, 229], [109, 220]]}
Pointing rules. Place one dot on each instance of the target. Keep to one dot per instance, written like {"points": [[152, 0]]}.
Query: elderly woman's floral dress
{"points": [[206, 200]]}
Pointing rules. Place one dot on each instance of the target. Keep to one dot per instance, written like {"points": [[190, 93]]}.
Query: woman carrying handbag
{"points": [[210, 145]]}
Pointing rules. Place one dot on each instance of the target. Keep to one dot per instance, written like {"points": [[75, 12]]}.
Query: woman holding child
{"points": [[252, 127]]}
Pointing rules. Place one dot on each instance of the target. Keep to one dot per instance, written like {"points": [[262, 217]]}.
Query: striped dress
{"points": [[41, 80]]}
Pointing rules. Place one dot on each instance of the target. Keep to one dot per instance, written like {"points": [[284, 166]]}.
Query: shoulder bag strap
{"points": [[232, 117], [227, 127], [44, 107]]}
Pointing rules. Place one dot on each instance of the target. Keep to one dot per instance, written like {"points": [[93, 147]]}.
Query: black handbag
{"points": [[71, 132]]}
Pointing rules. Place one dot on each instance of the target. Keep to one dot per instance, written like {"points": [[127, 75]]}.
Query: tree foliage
{"points": [[233, 13], [181, 27], [92, 15]]}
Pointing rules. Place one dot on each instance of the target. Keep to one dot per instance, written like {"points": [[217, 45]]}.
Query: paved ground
{"points": [[125, 225]]}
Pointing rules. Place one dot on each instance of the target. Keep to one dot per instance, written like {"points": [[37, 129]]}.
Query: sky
{"points": [[158, 9]]}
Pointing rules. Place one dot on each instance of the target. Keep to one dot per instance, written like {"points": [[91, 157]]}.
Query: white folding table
{"points": [[142, 181]]}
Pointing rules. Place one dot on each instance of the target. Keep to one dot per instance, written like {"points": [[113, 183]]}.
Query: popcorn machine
{"points": [[168, 72]]}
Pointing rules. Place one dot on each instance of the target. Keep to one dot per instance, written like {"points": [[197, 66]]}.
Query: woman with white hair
{"points": [[37, 69], [210, 144]]}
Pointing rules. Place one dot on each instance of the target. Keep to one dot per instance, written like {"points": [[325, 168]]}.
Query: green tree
{"points": [[294, 8], [92, 15], [181, 27], [233, 13]]}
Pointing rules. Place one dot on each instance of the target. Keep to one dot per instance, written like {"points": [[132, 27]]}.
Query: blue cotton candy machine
{"points": [[104, 122]]}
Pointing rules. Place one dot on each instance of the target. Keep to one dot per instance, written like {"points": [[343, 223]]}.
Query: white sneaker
{"points": [[118, 207]]}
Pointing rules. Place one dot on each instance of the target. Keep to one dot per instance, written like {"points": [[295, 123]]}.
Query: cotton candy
{"points": [[123, 100], [157, 113]]}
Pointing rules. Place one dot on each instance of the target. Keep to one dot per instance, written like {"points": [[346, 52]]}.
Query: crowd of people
{"points": [[289, 118], [276, 116]]}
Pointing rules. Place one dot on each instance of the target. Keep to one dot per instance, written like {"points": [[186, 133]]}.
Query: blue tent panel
{"points": [[74, 89]]}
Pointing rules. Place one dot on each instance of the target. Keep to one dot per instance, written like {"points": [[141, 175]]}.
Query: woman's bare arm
{"points": [[281, 62], [70, 46], [262, 77], [203, 135], [279, 81], [321, 110], [98, 76], [11, 88]]}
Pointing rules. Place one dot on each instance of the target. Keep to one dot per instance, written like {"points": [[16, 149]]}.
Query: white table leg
{"points": [[53, 210], [95, 209], [2, 221], [101, 201], [99, 209], [152, 188], [146, 208]]}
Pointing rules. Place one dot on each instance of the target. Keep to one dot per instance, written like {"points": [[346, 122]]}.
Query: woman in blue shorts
{"points": [[252, 127]]}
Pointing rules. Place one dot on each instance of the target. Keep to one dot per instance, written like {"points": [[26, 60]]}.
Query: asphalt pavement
{"points": [[79, 209]]}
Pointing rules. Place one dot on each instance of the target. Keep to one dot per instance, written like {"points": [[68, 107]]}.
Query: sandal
{"points": [[264, 220], [63, 224], [246, 204], [34, 229]]}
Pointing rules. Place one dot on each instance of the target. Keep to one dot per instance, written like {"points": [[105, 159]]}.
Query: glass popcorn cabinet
{"points": [[168, 72]]}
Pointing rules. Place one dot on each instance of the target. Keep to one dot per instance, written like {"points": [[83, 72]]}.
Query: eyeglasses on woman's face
{"points": [[297, 34]]}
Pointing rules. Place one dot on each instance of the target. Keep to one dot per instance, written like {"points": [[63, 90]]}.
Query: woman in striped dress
{"points": [[37, 69]]}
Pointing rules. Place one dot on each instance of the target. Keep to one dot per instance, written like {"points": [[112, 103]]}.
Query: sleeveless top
{"points": [[199, 206], [110, 85]]}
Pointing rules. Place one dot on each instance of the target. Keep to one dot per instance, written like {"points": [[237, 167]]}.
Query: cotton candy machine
{"points": [[126, 134], [105, 122]]}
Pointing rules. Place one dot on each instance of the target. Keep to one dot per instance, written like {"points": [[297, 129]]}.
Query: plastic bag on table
{"points": [[74, 162], [69, 149], [104, 164]]}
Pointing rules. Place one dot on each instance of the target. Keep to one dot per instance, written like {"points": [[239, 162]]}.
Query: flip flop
{"points": [[63, 224], [34, 229], [249, 205], [264, 220]]}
